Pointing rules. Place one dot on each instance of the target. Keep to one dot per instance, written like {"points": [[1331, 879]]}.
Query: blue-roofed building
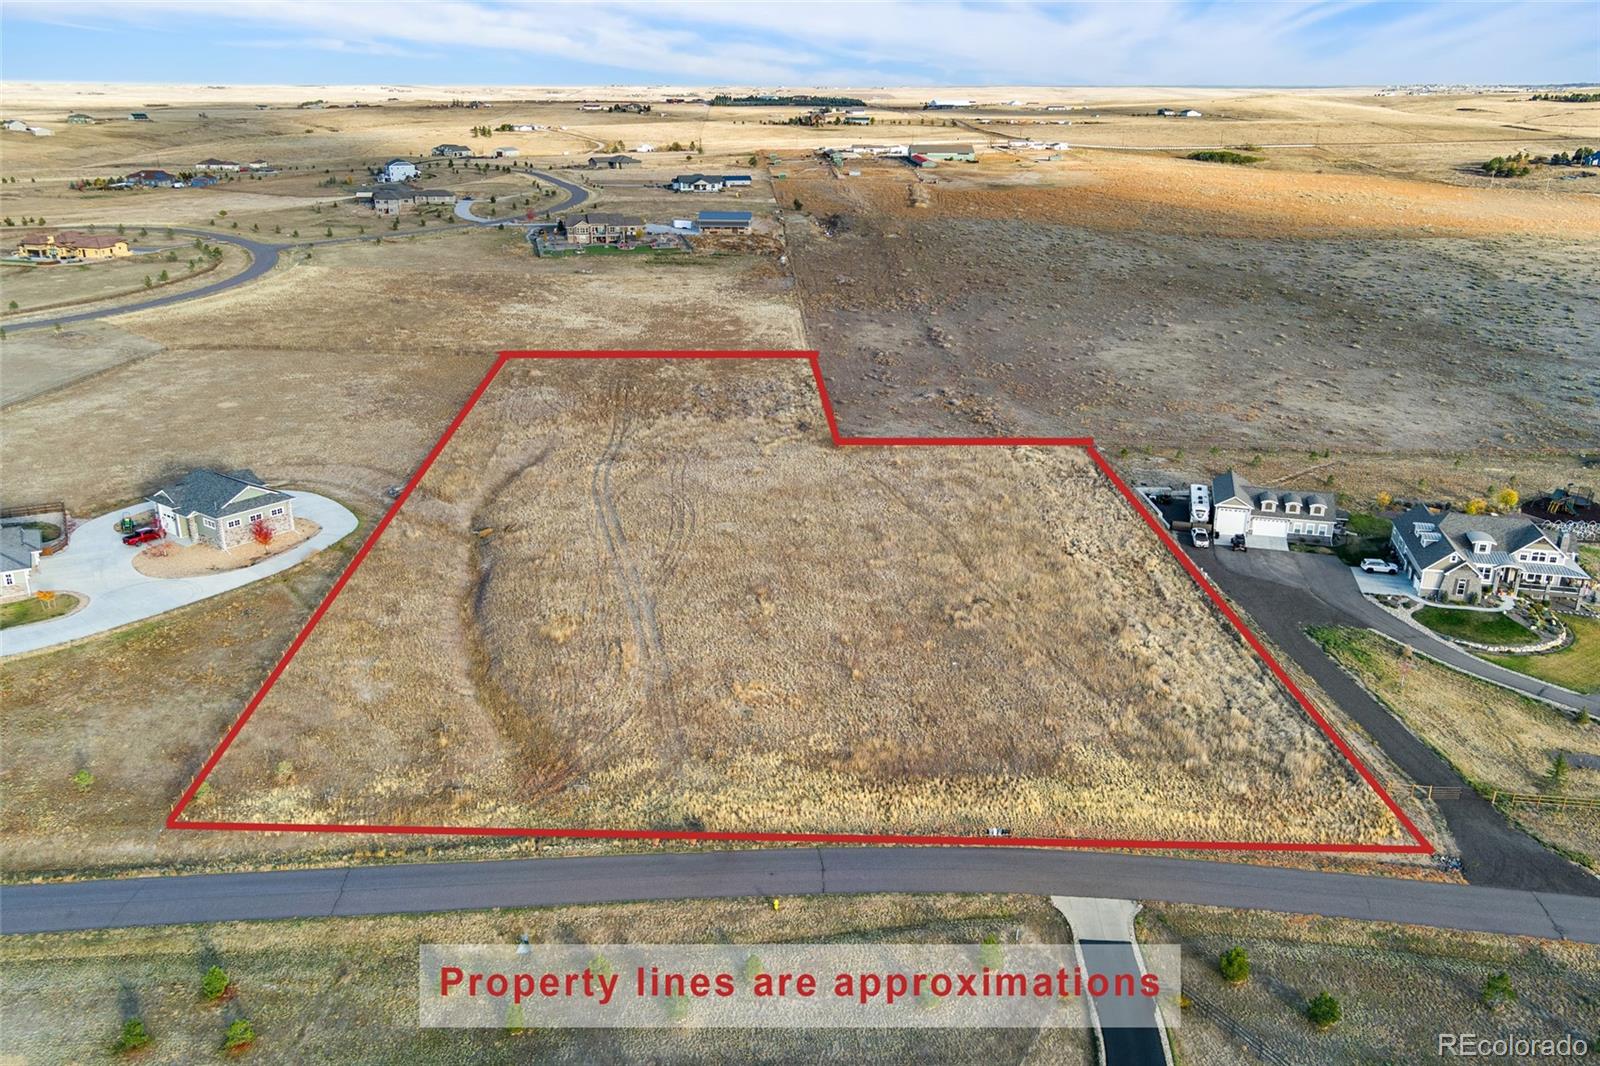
{"points": [[724, 220]]}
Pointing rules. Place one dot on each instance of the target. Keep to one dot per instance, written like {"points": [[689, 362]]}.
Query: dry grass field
{"points": [[345, 990], [655, 596], [1399, 986], [1496, 738], [1163, 304], [343, 395]]}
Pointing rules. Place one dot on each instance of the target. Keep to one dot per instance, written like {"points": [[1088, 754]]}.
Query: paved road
{"points": [[576, 194], [1103, 939], [1329, 580], [97, 565], [786, 872], [264, 256], [1283, 599]]}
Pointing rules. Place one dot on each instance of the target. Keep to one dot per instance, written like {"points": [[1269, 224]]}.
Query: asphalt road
{"points": [[432, 887], [1284, 596], [576, 194], [1129, 1030], [264, 256]]}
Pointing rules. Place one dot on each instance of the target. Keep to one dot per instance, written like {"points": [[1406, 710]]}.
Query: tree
{"points": [[214, 985], [1384, 501], [515, 1021], [1497, 990], [132, 1038], [241, 1034], [84, 780], [1477, 505], [1507, 499], [1323, 1011], [1234, 966], [1556, 777]]}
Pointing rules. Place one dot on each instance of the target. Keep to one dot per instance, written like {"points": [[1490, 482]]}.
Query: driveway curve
{"points": [[576, 194], [98, 565]]}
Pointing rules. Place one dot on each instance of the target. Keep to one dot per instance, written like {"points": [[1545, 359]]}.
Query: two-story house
{"points": [[1455, 556], [1273, 517]]}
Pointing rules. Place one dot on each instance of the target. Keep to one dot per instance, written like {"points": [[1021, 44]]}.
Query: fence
{"points": [[52, 513], [1501, 798], [1252, 1040]]}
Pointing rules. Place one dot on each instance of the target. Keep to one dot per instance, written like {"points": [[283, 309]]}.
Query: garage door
{"points": [[1270, 527]]}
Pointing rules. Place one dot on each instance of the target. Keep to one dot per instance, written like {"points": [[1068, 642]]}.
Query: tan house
{"points": [[601, 227], [54, 247], [222, 510]]}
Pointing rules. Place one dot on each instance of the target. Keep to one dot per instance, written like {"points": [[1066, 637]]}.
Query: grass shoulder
{"points": [[1479, 627], [35, 609]]}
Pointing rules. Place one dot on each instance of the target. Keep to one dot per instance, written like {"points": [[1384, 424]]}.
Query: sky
{"points": [[775, 45]]}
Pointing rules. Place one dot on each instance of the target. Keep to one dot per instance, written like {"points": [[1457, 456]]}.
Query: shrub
{"points": [[1507, 499], [1497, 989], [990, 953], [84, 780], [132, 1038], [1235, 158], [1234, 966], [240, 1035], [1556, 778], [1477, 505], [214, 985], [1323, 1011], [260, 532]]}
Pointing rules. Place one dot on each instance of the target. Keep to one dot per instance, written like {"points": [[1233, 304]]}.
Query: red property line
{"points": [[1419, 845]]}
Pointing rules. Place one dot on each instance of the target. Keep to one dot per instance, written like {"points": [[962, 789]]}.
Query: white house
{"points": [[506, 153], [1457, 556], [19, 554], [397, 170], [1189, 113], [1273, 517], [14, 125]]}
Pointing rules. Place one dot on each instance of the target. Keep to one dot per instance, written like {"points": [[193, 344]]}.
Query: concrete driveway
{"points": [[98, 565]]}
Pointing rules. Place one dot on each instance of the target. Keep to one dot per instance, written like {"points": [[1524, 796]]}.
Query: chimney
{"points": [[1565, 543]]}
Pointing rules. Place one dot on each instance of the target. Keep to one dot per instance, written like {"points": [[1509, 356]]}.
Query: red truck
{"points": [[143, 535]]}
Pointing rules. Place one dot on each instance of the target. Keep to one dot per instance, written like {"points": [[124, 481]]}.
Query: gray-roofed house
{"points": [[612, 162], [389, 201], [396, 170], [725, 220], [19, 554], [452, 151], [221, 509], [1272, 518], [1452, 555], [946, 153]]}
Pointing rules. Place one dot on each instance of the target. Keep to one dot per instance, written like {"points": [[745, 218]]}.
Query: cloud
{"points": [[1334, 42]]}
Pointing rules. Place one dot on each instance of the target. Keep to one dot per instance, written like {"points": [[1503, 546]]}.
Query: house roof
{"points": [[725, 216], [612, 159], [73, 239], [1430, 536], [17, 545], [209, 493], [606, 218], [1230, 488], [392, 162], [942, 149], [690, 179], [216, 163]]}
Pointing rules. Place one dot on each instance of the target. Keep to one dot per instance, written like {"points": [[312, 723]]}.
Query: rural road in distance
{"points": [[431, 887], [263, 257]]}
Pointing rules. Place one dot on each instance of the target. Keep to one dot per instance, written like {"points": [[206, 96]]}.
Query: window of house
{"points": [[210, 523], [276, 511], [11, 579], [1461, 587], [1269, 505], [256, 517], [233, 523], [1297, 530], [1292, 507], [1318, 508]]}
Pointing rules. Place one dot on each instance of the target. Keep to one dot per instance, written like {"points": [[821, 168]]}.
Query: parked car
{"points": [[1201, 537], [1379, 566], [141, 536], [1238, 544]]}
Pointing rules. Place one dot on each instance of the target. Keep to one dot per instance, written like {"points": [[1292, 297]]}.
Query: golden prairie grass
{"points": [[1399, 986], [345, 989], [655, 596]]}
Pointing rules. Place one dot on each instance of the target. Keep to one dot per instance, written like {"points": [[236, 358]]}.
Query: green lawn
{"points": [[1367, 538], [33, 609], [1576, 666], [1481, 627], [1589, 558]]}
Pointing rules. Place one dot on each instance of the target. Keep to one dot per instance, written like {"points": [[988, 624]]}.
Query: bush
{"points": [[1235, 158], [990, 953], [132, 1038], [84, 780], [1323, 1011], [214, 985], [1497, 990], [1234, 966], [240, 1035]]}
